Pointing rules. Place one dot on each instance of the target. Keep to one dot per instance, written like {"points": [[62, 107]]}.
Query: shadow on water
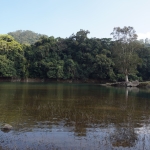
{"points": [[73, 116]]}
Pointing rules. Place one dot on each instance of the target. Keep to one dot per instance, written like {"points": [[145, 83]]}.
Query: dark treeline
{"points": [[75, 58]]}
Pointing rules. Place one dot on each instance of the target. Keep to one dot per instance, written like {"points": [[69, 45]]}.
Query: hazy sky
{"points": [[64, 17]]}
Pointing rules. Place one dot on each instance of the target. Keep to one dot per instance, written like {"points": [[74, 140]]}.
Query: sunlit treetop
{"points": [[7, 43]]}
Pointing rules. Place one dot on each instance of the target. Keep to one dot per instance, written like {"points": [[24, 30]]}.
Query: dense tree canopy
{"points": [[12, 60], [76, 57]]}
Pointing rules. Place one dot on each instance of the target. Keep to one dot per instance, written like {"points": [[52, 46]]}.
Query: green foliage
{"points": [[134, 77], [56, 70], [70, 69], [6, 67], [76, 57], [12, 56], [103, 66], [144, 68], [120, 77]]}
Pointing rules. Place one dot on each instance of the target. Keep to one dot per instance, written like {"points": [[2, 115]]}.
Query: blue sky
{"points": [[61, 18]]}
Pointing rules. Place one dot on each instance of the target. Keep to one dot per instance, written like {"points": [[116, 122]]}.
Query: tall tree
{"points": [[124, 50]]}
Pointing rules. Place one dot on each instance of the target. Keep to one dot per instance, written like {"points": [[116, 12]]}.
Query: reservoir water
{"points": [[74, 116]]}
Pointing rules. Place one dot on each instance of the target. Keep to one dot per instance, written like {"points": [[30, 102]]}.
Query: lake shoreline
{"points": [[94, 81], [123, 84], [9, 79]]}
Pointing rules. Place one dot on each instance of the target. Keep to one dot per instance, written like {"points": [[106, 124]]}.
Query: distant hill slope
{"points": [[26, 36]]}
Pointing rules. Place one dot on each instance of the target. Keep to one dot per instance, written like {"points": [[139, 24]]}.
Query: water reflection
{"points": [[91, 115], [124, 136]]}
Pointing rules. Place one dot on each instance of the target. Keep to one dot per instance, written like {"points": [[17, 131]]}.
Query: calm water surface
{"points": [[74, 116]]}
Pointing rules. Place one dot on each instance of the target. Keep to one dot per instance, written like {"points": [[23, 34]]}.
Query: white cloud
{"points": [[144, 35]]}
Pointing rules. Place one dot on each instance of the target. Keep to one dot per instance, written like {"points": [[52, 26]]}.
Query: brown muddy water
{"points": [[74, 116]]}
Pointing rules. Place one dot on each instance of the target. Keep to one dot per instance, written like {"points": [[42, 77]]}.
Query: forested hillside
{"points": [[26, 36], [77, 57]]}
